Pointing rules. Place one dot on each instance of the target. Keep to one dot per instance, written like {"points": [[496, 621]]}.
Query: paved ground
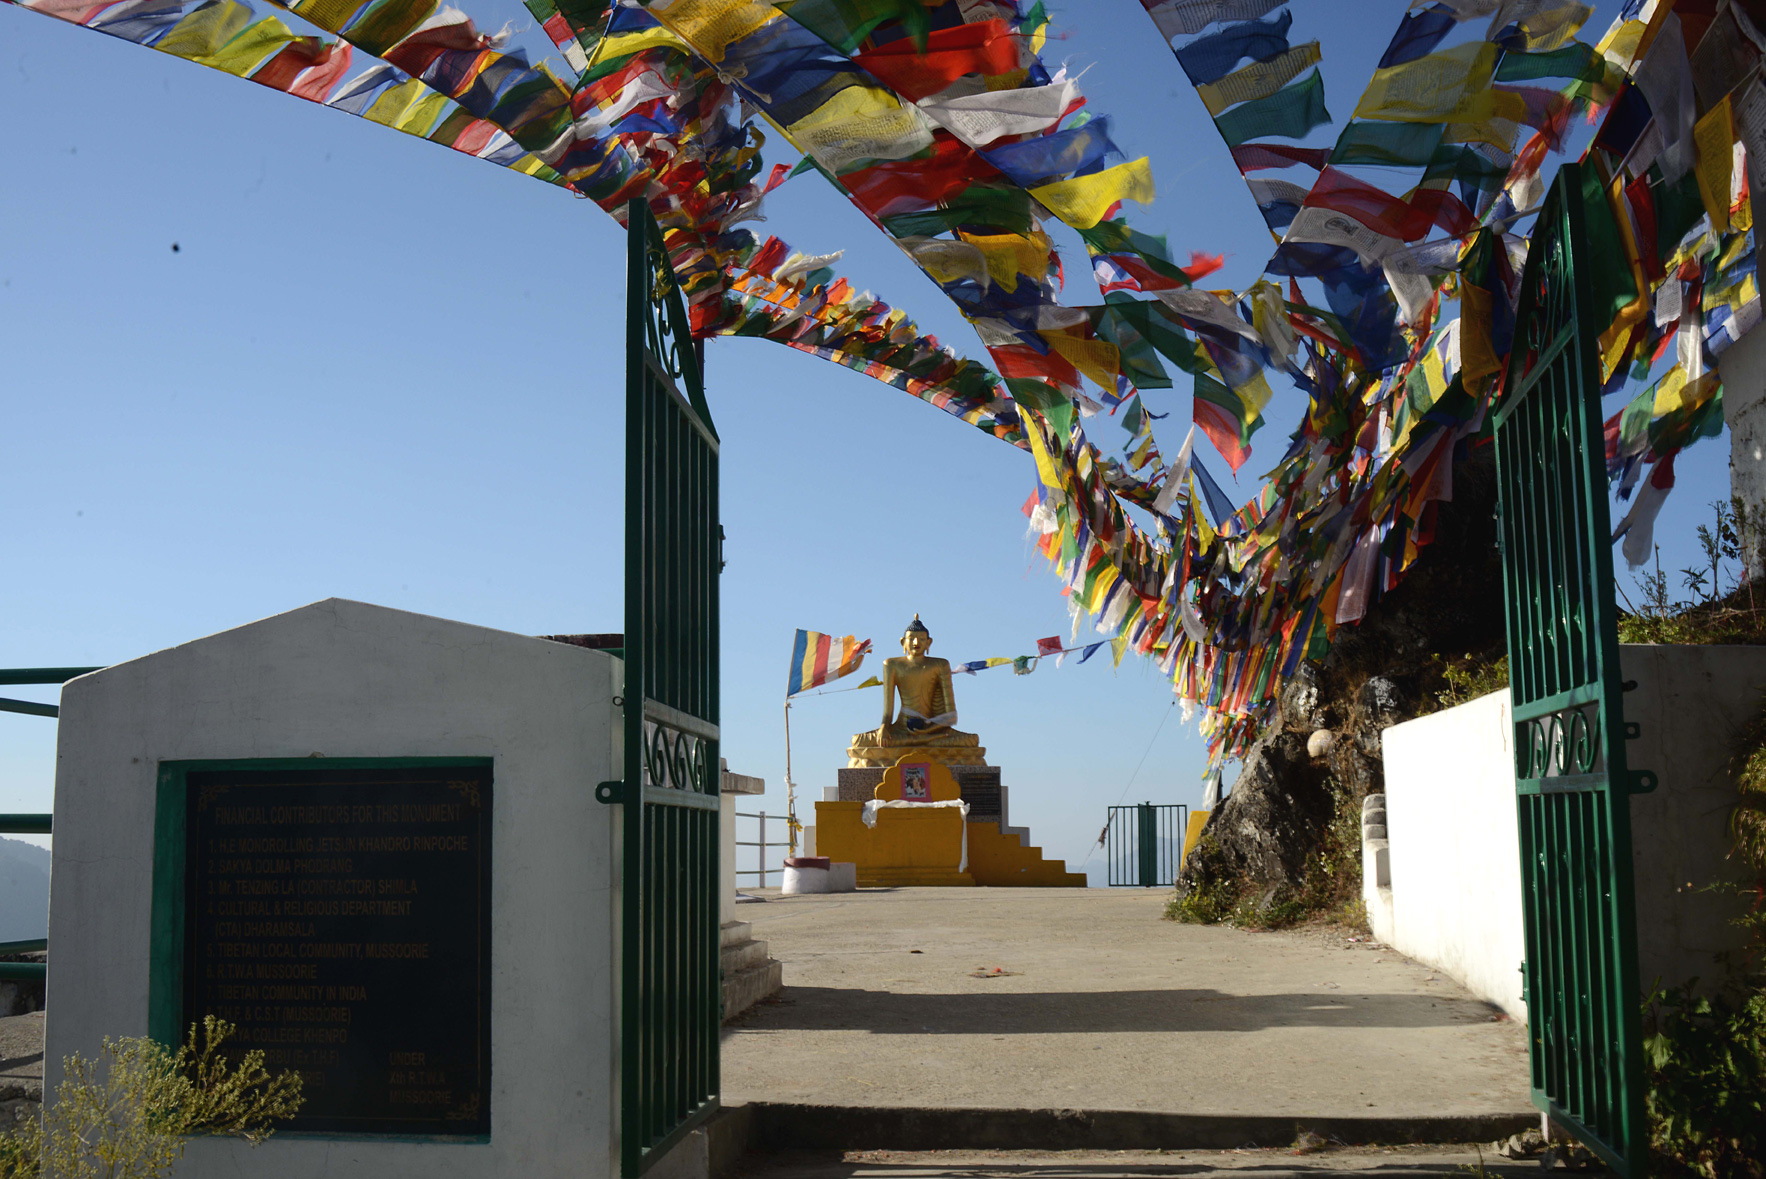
{"points": [[1085, 999], [1402, 1163], [21, 1050]]}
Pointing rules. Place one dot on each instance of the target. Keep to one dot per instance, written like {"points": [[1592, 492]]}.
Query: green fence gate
{"points": [[670, 998], [1143, 844], [1571, 781]]}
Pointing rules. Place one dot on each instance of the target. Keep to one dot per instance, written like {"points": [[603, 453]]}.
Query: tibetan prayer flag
{"points": [[1383, 144], [1219, 413], [1252, 157], [1218, 503], [1418, 33], [1438, 88], [1180, 18], [1084, 200], [817, 659], [1289, 113], [1259, 79], [1208, 59], [914, 72], [1048, 646], [1714, 138]]}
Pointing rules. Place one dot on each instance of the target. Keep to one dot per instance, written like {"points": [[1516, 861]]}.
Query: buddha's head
{"points": [[916, 639]]}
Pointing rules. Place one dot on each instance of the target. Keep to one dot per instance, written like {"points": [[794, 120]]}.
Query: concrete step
{"points": [[735, 932], [745, 988], [742, 955]]}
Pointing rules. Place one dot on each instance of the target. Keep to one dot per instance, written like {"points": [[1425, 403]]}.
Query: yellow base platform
{"points": [[909, 846]]}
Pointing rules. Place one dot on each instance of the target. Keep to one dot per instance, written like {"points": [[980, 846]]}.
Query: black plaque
{"points": [[342, 919]]}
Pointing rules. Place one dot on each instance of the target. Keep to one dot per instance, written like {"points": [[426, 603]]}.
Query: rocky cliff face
{"points": [[1321, 750]]}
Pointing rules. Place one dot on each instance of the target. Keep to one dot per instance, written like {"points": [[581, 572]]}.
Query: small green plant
{"points": [[127, 1114], [1706, 1062], [1468, 678]]}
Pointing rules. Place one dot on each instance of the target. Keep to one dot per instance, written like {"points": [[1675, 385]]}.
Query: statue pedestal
{"points": [[913, 843]]}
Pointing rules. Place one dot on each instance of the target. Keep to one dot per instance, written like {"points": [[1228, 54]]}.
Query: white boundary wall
{"points": [[345, 679], [1454, 900]]}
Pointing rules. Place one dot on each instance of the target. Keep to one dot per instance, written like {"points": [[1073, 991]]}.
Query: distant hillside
{"points": [[24, 890]]}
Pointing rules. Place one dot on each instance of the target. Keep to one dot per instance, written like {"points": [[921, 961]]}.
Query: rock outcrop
{"points": [[1387, 669]]}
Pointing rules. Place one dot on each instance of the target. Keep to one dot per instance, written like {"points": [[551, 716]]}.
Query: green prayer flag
{"points": [[1374, 143], [1289, 113]]}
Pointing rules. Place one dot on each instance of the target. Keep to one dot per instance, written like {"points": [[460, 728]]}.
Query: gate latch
{"points": [[609, 792], [1643, 781]]}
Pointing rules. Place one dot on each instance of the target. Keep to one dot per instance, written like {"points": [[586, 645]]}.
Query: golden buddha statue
{"points": [[928, 711]]}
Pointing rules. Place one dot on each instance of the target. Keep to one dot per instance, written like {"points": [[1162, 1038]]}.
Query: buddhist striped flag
{"points": [[818, 658]]}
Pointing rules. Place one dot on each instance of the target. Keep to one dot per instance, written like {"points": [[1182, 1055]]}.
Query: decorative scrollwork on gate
{"points": [[1559, 743], [675, 759]]}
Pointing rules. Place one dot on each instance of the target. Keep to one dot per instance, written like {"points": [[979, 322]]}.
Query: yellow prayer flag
{"points": [[1098, 359], [1082, 201], [1431, 89], [1009, 255], [709, 26], [1260, 79], [423, 115], [1039, 450], [393, 106], [622, 44], [330, 15], [249, 49], [1204, 530], [1670, 392], [861, 123], [205, 30], [1713, 138]]}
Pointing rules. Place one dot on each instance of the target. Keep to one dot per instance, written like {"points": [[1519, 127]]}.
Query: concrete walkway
{"points": [[935, 1000], [1399, 1163]]}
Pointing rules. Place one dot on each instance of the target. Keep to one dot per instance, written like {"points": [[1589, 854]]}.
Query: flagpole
{"points": [[790, 787]]}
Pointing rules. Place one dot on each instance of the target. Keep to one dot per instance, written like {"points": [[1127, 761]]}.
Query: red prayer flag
{"points": [[985, 47]]}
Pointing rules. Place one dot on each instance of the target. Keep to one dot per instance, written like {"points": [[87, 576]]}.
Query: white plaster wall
{"points": [[345, 679], [1450, 806], [1455, 865]]}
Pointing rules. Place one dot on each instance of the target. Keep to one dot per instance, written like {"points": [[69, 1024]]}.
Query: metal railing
{"points": [[37, 675], [761, 843], [1143, 844], [26, 971], [30, 824]]}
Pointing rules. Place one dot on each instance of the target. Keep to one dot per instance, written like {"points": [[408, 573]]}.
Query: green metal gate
{"points": [[671, 997], [1143, 844], [1572, 784]]}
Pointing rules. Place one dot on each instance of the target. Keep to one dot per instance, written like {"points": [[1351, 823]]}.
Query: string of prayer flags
{"points": [[817, 659]]}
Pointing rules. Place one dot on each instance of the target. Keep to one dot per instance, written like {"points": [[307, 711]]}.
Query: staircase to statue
{"points": [[749, 974], [1000, 855]]}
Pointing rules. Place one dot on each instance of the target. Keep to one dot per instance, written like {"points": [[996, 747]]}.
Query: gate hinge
{"points": [[610, 792], [1523, 969], [1643, 781], [1633, 730]]}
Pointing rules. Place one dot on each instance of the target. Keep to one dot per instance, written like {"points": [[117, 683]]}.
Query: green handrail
{"points": [[37, 675], [27, 824], [29, 946], [42, 675], [25, 971]]}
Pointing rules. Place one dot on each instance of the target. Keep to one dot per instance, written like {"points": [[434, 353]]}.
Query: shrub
{"points": [[127, 1114]]}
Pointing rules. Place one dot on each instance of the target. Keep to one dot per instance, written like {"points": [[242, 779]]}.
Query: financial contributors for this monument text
{"points": [[308, 913]]}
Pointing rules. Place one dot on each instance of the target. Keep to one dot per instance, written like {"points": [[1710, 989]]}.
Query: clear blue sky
{"points": [[380, 370]]}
